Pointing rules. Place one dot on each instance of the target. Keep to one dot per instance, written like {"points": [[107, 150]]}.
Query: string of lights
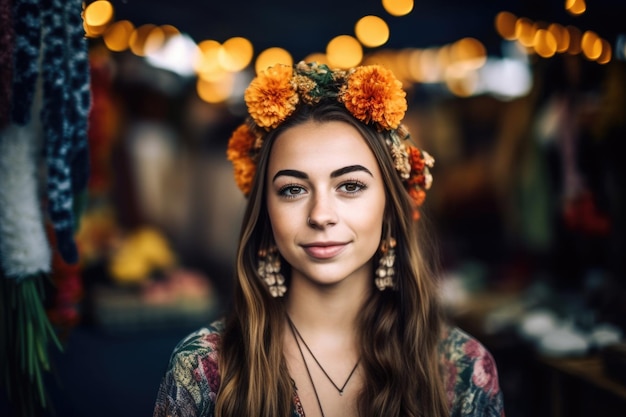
{"points": [[457, 65]]}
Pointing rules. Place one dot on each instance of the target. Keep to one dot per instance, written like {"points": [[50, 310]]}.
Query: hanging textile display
{"points": [[44, 105]]}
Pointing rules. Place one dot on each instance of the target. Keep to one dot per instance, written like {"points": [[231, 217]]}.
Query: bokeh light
{"points": [[98, 13], [117, 35], [398, 7], [607, 53], [235, 54], [137, 39], [217, 90], [505, 25], [344, 51], [561, 36], [575, 7], [591, 45], [525, 32], [155, 39], [545, 43], [208, 66], [272, 56], [469, 52], [372, 31]]}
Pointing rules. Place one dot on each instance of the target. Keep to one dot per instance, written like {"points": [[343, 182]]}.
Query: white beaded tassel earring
{"points": [[385, 272], [269, 271]]}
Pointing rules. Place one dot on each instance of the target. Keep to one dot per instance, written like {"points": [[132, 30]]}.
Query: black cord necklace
{"points": [[294, 329], [317, 397]]}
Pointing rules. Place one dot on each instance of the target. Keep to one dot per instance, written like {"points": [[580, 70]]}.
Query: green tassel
{"points": [[25, 335]]}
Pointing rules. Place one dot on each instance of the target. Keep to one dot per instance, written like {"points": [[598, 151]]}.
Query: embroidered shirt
{"points": [[191, 381]]}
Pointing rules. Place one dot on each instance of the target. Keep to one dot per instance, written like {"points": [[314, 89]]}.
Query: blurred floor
{"points": [[103, 375]]}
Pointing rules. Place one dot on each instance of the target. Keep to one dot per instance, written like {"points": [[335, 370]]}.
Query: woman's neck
{"points": [[331, 309]]}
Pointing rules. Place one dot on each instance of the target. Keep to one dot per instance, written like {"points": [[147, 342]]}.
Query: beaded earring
{"points": [[269, 271], [385, 272]]}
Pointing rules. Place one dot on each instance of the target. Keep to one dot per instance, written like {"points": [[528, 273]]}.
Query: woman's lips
{"points": [[324, 250]]}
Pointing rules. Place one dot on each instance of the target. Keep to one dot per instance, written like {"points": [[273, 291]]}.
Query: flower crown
{"points": [[371, 93]]}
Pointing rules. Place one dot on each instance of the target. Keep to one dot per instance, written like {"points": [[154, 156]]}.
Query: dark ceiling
{"points": [[306, 27]]}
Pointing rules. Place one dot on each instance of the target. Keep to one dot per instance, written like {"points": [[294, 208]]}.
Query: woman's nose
{"points": [[322, 212]]}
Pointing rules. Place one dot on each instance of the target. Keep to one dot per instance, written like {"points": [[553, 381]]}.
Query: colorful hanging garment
{"points": [[45, 105]]}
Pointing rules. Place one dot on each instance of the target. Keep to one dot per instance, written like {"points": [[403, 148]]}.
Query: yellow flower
{"points": [[141, 253], [239, 153], [272, 96], [374, 94], [304, 87]]}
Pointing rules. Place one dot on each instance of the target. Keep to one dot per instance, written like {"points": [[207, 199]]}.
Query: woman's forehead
{"points": [[318, 145]]}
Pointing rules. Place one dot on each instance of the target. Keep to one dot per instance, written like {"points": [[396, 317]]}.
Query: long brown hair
{"points": [[399, 329]]}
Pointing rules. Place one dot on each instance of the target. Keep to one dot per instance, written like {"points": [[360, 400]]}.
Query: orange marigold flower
{"points": [[418, 195], [239, 153], [272, 96], [417, 161], [374, 94], [417, 179]]}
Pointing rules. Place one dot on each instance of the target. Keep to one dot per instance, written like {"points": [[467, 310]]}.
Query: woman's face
{"points": [[326, 201]]}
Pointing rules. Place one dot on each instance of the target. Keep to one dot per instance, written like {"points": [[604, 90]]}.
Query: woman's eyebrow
{"points": [[351, 168], [336, 173], [290, 173]]}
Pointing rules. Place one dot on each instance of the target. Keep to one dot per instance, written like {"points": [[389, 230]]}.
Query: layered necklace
{"points": [[298, 338]]}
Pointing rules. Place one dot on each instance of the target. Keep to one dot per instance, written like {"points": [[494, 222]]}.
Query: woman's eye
{"points": [[352, 187], [291, 191]]}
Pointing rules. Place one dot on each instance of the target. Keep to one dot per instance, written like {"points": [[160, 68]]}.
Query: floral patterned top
{"points": [[190, 384]]}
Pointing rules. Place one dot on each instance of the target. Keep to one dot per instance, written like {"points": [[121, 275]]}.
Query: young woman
{"points": [[335, 311]]}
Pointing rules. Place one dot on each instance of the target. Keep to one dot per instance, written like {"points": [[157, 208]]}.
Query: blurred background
{"points": [[521, 103]]}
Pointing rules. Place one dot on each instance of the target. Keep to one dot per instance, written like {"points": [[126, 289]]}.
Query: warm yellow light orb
{"points": [[272, 56], [398, 7], [218, 90], [470, 52], [505, 25], [137, 40], [372, 31], [235, 54], [155, 39], [344, 51], [545, 43], [431, 65], [575, 7], [525, 31], [561, 35], [116, 37], [207, 64], [169, 31], [98, 13], [607, 53], [591, 45]]}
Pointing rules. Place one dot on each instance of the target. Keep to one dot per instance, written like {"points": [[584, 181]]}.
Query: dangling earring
{"points": [[385, 272], [269, 271]]}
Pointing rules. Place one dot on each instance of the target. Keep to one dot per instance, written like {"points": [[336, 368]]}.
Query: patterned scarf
{"points": [[50, 43], [6, 59]]}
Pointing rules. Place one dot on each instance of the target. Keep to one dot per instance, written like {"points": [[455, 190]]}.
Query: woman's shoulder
{"points": [[192, 379], [470, 375], [201, 342], [457, 345]]}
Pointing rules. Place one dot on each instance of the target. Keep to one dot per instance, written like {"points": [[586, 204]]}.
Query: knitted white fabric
{"points": [[24, 247]]}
